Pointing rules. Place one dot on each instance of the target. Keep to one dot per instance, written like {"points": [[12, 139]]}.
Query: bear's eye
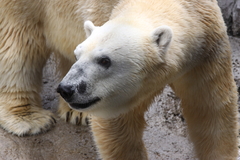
{"points": [[104, 62]]}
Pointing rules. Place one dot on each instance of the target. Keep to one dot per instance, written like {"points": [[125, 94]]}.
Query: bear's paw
{"points": [[29, 120], [71, 116]]}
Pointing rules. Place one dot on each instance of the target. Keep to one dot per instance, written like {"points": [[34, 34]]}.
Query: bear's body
{"points": [[29, 32], [145, 45]]}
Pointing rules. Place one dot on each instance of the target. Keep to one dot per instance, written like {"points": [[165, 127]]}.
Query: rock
{"points": [[236, 19], [235, 43], [231, 14]]}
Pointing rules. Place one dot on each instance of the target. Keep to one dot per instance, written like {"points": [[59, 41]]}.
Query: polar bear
{"points": [[29, 32], [126, 62]]}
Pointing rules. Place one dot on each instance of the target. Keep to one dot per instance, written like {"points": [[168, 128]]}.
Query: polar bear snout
{"points": [[66, 91], [76, 95]]}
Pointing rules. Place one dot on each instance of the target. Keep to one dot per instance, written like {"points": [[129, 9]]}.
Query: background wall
{"points": [[231, 15]]}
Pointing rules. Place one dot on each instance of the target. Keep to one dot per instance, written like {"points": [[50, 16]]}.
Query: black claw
{"points": [[77, 120], [87, 121], [54, 120], [67, 116], [80, 122]]}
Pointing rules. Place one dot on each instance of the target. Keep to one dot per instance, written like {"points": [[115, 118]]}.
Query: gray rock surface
{"points": [[165, 136], [231, 15]]}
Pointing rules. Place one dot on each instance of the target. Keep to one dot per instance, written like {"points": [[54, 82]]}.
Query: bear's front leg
{"points": [[20, 103], [23, 54], [209, 101], [120, 138]]}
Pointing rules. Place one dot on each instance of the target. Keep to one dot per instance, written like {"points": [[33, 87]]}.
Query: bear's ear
{"points": [[89, 27], [162, 36]]}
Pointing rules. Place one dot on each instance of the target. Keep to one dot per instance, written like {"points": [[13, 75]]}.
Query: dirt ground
{"points": [[165, 136]]}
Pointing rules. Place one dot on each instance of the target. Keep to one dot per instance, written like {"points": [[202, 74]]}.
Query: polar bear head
{"points": [[112, 68]]}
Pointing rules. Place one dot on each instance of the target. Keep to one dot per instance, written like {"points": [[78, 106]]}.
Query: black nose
{"points": [[66, 91], [82, 87]]}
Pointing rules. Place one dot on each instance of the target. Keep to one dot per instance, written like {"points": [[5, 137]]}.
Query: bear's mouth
{"points": [[85, 105]]}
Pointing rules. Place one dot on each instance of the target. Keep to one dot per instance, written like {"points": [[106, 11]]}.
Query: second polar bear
{"points": [[145, 45]]}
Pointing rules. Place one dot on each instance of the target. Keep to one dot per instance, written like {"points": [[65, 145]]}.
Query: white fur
{"points": [[163, 35], [117, 85], [88, 27]]}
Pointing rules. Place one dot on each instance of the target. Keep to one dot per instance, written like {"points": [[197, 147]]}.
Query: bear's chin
{"points": [[85, 105]]}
